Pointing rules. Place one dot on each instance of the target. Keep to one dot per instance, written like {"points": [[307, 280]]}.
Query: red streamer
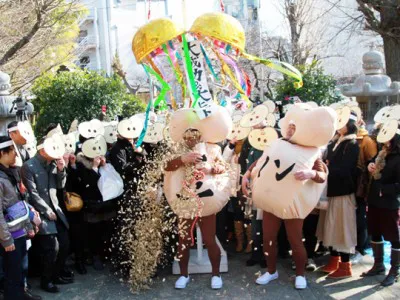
{"points": [[149, 12], [222, 5]]}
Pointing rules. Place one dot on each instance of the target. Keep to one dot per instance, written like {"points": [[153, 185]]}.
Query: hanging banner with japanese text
{"points": [[204, 105]]}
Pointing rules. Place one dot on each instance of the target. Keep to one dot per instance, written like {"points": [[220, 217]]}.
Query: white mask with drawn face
{"points": [[70, 143], [94, 147], [91, 129]]}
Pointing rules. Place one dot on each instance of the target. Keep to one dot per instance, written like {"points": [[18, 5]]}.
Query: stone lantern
{"points": [[10, 109], [372, 89]]}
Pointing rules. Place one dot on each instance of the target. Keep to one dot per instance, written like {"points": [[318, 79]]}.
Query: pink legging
{"points": [[208, 228], [294, 230]]}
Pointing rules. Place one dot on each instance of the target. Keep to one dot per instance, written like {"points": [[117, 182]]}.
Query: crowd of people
{"points": [[360, 206]]}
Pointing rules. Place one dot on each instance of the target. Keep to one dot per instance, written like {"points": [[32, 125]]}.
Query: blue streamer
{"points": [[146, 122], [208, 62]]}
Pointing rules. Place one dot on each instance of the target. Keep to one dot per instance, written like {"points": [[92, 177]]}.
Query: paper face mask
{"points": [[238, 132], [154, 134], [315, 127], [260, 138], [255, 117], [57, 130], [270, 105], [130, 128], [91, 129], [110, 132], [274, 188], [31, 148], [94, 147], [26, 131], [387, 113], [70, 143], [53, 146], [388, 131]]}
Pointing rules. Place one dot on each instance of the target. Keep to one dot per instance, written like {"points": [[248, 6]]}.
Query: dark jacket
{"points": [[42, 181], [342, 165], [9, 195], [385, 192], [126, 161], [244, 154], [89, 191]]}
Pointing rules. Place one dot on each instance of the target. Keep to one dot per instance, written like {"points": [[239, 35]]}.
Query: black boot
{"points": [[378, 267], [49, 287], [394, 272], [29, 296]]}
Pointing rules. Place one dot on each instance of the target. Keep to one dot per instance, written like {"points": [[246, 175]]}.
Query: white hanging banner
{"points": [[205, 104]]}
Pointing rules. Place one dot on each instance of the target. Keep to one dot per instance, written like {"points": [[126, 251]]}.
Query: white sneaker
{"points": [[301, 283], [266, 278], [182, 282], [216, 282], [356, 258]]}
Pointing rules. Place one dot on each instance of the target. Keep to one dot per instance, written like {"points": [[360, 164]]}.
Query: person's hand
{"points": [[371, 168], [191, 158], [96, 162], [36, 220], [102, 161], [52, 216], [218, 169], [66, 159], [305, 174], [72, 160], [60, 164], [31, 234], [246, 184], [10, 248]]}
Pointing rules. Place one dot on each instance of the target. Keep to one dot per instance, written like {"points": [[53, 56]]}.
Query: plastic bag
{"points": [[110, 183]]}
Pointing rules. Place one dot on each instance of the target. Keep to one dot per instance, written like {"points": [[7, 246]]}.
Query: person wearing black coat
{"points": [[127, 162], [384, 209], [340, 229], [98, 215]]}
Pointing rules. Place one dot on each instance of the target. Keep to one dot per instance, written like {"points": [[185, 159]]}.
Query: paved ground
{"points": [[238, 284]]}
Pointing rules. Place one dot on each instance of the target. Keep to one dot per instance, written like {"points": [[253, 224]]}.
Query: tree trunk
{"points": [[392, 56], [390, 25]]}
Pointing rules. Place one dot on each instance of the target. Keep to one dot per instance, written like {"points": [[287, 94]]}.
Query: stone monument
{"points": [[372, 89]]}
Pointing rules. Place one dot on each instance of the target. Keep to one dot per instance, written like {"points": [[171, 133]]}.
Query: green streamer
{"points": [[209, 62], [160, 100], [189, 68]]}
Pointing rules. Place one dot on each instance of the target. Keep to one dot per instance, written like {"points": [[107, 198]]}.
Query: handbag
{"points": [[17, 213], [73, 202], [110, 183]]}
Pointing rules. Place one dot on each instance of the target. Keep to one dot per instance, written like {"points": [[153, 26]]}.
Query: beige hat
{"points": [[259, 138], [95, 147], [214, 128]]}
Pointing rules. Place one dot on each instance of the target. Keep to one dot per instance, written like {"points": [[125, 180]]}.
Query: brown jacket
{"points": [[368, 148]]}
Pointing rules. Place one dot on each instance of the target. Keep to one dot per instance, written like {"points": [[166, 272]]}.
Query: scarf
{"points": [[380, 163], [341, 139]]}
